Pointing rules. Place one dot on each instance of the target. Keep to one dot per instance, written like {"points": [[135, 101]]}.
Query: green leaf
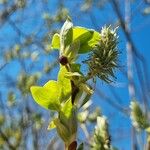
{"points": [[148, 129], [47, 96], [66, 34], [76, 67], [51, 125], [72, 52], [73, 76], [64, 83], [68, 116], [56, 41], [51, 84], [62, 130], [91, 43], [81, 34], [87, 38], [65, 113], [67, 108]]}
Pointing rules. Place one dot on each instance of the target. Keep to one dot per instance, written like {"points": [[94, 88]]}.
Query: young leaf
{"points": [[51, 125], [148, 130], [68, 117], [56, 41], [65, 113], [73, 76], [66, 34], [64, 83], [76, 67], [91, 43], [87, 38], [62, 130], [47, 96], [51, 84], [81, 34], [72, 52], [67, 108]]}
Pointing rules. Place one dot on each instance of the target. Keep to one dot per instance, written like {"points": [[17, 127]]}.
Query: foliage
{"points": [[101, 139], [139, 119], [61, 95], [28, 58]]}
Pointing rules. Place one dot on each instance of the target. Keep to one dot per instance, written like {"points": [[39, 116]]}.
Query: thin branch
{"points": [[112, 103], [136, 54], [3, 66], [4, 15], [5, 138], [127, 34]]}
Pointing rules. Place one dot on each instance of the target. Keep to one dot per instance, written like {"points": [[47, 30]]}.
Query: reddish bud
{"points": [[63, 60]]}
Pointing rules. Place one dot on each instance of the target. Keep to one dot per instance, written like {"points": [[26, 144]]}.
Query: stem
{"points": [[74, 92], [148, 143], [148, 146]]}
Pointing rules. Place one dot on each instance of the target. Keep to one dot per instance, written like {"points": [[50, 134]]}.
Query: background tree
{"points": [[26, 29]]}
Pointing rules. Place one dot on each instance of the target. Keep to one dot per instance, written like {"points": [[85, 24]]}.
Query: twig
{"points": [[111, 102], [5, 138], [7, 12]]}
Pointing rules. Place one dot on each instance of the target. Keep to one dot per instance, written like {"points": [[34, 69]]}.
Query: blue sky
{"points": [[140, 28]]}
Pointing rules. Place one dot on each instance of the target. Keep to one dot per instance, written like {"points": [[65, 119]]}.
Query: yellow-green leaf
{"points": [[66, 34], [87, 38], [67, 108], [51, 84], [51, 125], [91, 43], [47, 96], [56, 41], [147, 129], [81, 34], [62, 130]]}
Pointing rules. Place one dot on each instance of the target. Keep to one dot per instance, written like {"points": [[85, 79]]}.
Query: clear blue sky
{"points": [[120, 124]]}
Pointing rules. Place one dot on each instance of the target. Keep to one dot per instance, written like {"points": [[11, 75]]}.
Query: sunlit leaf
{"points": [[73, 51], [68, 116], [67, 108], [91, 43], [76, 67], [56, 41], [62, 130], [47, 96], [87, 38], [147, 129], [66, 34], [66, 112], [51, 125], [81, 34]]}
